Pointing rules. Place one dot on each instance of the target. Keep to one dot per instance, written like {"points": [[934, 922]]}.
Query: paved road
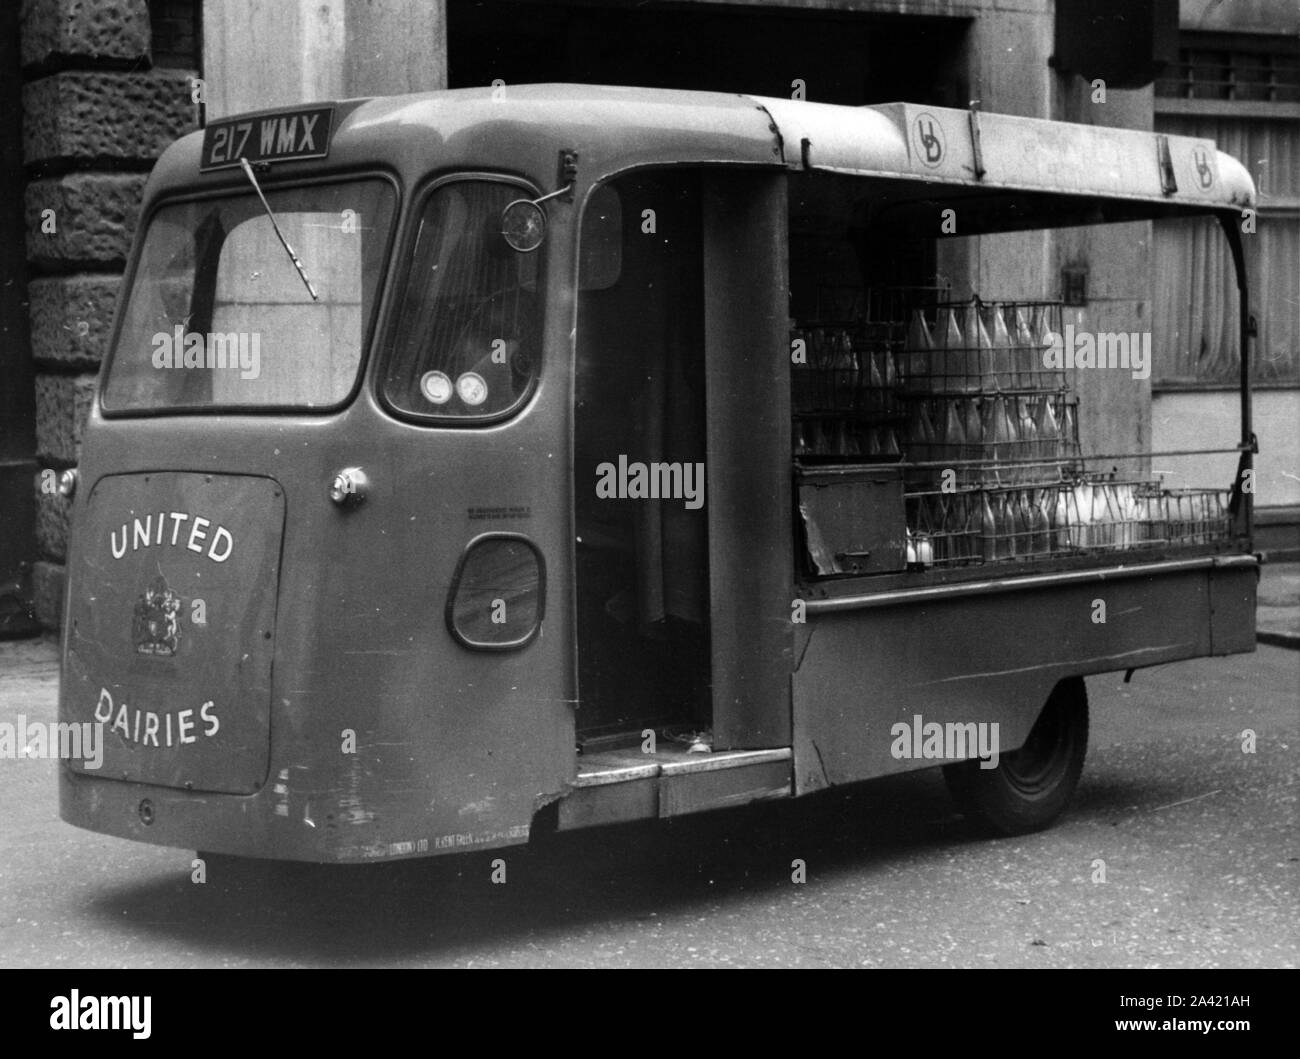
{"points": [[1199, 840]]}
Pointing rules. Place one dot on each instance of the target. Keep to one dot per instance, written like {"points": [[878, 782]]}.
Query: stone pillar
{"points": [[259, 54], [1114, 407], [1007, 52], [95, 118]]}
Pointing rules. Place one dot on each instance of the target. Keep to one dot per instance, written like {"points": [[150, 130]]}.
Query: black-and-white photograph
{"points": [[606, 484]]}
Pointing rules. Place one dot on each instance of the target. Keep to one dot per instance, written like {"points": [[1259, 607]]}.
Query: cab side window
{"points": [[468, 339]]}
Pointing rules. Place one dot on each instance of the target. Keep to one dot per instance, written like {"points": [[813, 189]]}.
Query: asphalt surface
{"points": [[1277, 616], [1199, 841]]}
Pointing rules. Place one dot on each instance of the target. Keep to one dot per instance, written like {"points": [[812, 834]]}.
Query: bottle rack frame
{"points": [[1073, 517], [1041, 437], [981, 347]]}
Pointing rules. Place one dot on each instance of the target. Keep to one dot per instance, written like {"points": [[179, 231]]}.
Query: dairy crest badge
{"points": [[156, 626]]}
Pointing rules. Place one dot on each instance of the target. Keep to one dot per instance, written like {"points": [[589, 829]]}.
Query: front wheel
{"points": [[1030, 786]]}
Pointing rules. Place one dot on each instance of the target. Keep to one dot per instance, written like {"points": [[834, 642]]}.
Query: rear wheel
{"points": [[1030, 786]]}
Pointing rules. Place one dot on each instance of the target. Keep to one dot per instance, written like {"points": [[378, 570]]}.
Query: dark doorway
{"points": [[847, 58], [643, 575], [17, 395]]}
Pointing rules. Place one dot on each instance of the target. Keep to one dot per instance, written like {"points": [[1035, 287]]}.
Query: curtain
{"points": [[672, 540], [1195, 310]]}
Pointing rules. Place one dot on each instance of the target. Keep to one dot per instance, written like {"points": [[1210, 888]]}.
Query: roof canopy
{"points": [[939, 152], [943, 146]]}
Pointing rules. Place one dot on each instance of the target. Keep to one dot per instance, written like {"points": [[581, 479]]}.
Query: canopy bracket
{"points": [[977, 151], [1168, 182]]}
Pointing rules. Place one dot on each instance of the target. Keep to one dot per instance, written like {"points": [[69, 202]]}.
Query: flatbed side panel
{"points": [[981, 659], [1232, 609]]}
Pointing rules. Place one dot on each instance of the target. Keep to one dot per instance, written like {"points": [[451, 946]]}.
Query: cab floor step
{"points": [[622, 766]]}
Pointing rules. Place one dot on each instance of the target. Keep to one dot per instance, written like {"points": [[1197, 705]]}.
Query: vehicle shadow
{"points": [[449, 910], [445, 910]]}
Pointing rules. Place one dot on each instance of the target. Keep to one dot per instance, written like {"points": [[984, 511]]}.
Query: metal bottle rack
{"points": [[849, 391], [985, 434]]}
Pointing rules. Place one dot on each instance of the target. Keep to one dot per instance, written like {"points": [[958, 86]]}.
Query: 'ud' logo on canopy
{"points": [[927, 140], [1204, 173]]}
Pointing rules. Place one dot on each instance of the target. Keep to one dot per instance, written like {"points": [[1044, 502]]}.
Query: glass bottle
{"points": [[1114, 515], [988, 529], [1001, 356], [1003, 439], [1159, 523], [976, 439], [1026, 353], [917, 352], [1042, 327], [966, 524], [840, 444], [948, 340], [920, 440], [1010, 436], [876, 387], [924, 550], [1028, 436], [1042, 526], [821, 357], [954, 434], [946, 528], [1061, 516], [977, 351], [1024, 524], [1081, 532], [1005, 513], [1045, 422], [843, 350], [1141, 515], [1123, 514], [1103, 528], [1069, 444]]}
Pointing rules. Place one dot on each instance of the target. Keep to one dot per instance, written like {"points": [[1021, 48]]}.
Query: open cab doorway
{"points": [[639, 463], [680, 346]]}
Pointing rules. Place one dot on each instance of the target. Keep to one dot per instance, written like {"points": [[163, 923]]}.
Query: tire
{"points": [[1030, 786]]}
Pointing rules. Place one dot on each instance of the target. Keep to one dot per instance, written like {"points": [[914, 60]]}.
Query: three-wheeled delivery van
{"points": [[480, 462]]}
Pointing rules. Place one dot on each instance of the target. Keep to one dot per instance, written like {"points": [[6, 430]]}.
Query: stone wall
{"points": [[97, 113]]}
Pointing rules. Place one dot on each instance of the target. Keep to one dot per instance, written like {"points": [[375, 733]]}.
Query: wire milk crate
{"points": [[981, 347], [1195, 516], [1073, 517], [979, 396], [847, 374], [992, 439]]}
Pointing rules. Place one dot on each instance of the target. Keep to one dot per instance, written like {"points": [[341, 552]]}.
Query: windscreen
{"points": [[218, 315]]}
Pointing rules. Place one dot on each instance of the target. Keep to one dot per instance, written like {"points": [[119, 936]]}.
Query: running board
{"points": [[618, 786]]}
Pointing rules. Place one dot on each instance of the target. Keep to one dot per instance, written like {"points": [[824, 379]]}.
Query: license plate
{"points": [[280, 137]]}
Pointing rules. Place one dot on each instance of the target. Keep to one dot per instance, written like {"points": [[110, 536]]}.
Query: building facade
{"points": [[94, 90]]}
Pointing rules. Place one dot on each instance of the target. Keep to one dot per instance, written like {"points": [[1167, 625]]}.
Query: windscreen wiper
{"points": [[248, 172]]}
